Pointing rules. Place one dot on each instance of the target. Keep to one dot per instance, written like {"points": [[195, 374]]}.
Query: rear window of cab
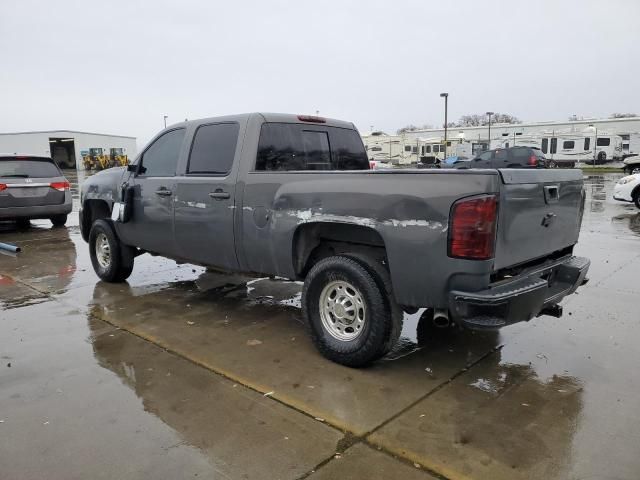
{"points": [[296, 147]]}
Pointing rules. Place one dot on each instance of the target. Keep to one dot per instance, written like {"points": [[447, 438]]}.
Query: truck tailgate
{"points": [[539, 213]]}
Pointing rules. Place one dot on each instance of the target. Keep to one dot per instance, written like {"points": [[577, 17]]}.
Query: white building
{"points": [[627, 128], [67, 147]]}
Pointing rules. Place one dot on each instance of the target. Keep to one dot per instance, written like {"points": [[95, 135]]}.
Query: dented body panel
{"points": [[413, 224]]}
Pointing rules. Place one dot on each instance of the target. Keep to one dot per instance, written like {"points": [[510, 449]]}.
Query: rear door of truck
{"points": [[539, 214], [205, 196]]}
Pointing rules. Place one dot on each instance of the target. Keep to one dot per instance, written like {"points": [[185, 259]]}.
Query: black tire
{"points": [[383, 279], [380, 322], [636, 197], [59, 220], [23, 223], [552, 164], [119, 264], [602, 157]]}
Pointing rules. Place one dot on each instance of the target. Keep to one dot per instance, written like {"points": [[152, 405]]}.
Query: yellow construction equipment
{"points": [[118, 158], [97, 159]]}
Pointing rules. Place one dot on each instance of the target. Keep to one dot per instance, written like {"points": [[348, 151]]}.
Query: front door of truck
{"points": [[205, 197], [151, 223]]}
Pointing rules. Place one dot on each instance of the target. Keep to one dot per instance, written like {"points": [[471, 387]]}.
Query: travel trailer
{"points": [[567, 149], [394, 149]]}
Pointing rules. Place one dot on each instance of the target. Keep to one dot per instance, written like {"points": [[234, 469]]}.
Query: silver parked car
{"points": [[32, 187]]}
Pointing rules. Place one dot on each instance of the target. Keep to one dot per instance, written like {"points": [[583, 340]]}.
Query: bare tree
{"points": [[477, 120], [623, 115], [408, 128]]}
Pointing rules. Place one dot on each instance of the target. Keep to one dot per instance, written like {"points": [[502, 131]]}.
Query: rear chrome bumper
{"points": [[520, 298]]}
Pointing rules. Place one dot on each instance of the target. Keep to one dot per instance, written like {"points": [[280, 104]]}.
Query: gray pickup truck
{"points": [[293, 196]]}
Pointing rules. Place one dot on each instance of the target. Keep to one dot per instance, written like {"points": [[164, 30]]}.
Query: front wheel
{"points": [[112, 261], [348, 312], [636, 198]]}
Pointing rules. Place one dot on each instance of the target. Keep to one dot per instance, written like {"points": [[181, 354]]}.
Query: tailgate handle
{"points": [[551, 193]]}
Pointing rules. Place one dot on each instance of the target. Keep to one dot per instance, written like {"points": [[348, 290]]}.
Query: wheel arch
{"points": [[92, 210], [317, 240]]}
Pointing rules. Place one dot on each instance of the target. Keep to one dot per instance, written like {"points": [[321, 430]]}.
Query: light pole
{"points": [[591, 129], [446, 98], [489, 134], [595, 145], [165, 120]]}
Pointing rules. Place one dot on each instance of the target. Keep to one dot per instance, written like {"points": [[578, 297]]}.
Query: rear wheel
{"points": [[59, 220], [112, 261], [552, 164], [348, 311], [602, 157]]}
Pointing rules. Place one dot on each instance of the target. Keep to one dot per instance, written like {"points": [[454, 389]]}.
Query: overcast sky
{"points": [[118, 66]]}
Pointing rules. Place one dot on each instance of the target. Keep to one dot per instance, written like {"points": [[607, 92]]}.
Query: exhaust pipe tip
{"points": [[441, 318]]}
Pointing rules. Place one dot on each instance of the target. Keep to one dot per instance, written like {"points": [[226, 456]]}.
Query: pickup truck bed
{"points": [[294, 198]]}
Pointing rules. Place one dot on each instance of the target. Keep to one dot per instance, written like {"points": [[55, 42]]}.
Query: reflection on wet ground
{"points": [[183, 372]]}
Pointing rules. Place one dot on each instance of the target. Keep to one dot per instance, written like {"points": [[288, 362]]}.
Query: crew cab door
{"points": [[151, 223], [205, 200]]}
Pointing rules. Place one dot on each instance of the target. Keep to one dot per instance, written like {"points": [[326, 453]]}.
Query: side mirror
{"points": [[132, 167]]}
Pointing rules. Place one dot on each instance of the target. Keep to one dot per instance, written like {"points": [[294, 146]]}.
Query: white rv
{"points": [[432, 149], [394, 149], [567, 149]]}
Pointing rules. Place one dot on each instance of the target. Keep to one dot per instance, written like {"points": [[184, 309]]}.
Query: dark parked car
{"points": [[293, 196], [514, 157], [33, 187]]}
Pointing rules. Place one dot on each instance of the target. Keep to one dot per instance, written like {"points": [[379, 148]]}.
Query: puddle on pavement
{"points": [[602, 213]]}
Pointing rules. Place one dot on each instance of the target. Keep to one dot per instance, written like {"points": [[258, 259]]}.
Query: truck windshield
{"points": [[290, 146], [28, 167]]}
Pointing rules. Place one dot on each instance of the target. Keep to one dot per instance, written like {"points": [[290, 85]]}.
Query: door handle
{"points": [[163, 192], [220, 195]]}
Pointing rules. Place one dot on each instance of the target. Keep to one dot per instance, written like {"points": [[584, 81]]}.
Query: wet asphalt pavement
{"points": [[182, 373]]}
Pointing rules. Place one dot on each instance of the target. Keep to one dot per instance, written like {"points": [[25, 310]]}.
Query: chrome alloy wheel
{"points": [[342, 310], [103, 250]]}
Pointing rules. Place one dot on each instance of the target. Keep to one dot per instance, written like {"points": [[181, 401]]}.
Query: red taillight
{"points": [[372, 165], [60, 186], [472, 231], [3, 186], [533, 161], [311, 118]]}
